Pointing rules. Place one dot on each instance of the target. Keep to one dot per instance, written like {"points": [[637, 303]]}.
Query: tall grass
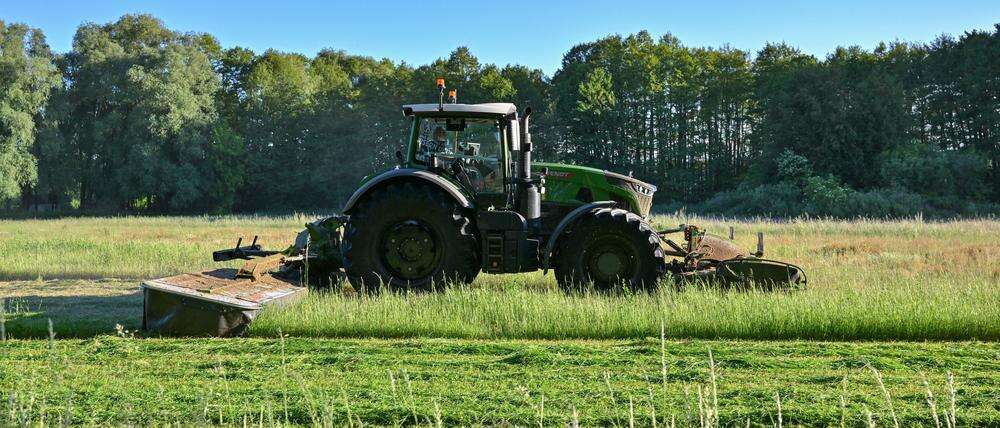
{"points": [[869, 279], [944, 311], [128, 247]]}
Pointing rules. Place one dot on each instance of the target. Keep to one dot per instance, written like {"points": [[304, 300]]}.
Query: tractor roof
{"points": [[486, 109]]}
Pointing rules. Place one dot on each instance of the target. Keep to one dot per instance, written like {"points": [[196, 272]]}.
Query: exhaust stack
{"points": [[529, 202]]}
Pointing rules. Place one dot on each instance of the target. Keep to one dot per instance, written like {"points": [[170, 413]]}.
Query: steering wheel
{"points": [[458, 168]]}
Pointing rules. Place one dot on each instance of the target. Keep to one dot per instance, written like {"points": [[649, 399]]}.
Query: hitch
{"points": [[245, 252]]}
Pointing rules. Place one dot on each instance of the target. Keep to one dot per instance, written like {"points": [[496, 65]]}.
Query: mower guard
{"points": [[760, 273]]}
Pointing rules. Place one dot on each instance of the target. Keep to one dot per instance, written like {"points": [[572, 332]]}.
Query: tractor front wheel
{"points": [[609, 248], [409, 237]]}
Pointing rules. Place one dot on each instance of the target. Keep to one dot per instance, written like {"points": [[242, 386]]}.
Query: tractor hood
{"points": [[567, 183]]}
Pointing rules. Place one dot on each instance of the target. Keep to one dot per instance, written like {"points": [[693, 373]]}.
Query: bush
{"points": [[830, 199], [793, 168], [772, 200], [940, 174], [881, 203], [826, 195], [926, 181]]}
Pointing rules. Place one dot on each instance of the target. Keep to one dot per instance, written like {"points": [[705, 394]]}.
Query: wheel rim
{"points": [[410, 250], [610, 259]]}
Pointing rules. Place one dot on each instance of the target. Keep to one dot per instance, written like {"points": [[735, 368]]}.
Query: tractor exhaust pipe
{"points": [[525, 152], [529, 202]]}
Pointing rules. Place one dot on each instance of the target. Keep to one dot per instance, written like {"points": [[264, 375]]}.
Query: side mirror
{"points": [[399, 157]]}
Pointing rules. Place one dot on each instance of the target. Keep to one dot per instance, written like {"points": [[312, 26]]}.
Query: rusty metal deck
{"points": [[216, 302], [222, 286]]}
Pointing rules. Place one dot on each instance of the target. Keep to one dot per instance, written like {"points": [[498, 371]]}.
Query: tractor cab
{"points": [[468, 143]]}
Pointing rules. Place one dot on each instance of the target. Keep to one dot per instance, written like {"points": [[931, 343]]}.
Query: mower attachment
{"points": [[223, 302], [715, 259], [760, 271], [218, 302]]}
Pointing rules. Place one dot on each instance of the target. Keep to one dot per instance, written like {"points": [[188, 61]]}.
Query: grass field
{"points": [[489, 352], [905, 280]]}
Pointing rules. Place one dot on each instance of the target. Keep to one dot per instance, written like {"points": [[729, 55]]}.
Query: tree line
{"points": [[139, 118]]}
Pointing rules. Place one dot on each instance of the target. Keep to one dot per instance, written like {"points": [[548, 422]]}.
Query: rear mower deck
{"points": [[218, 302]]}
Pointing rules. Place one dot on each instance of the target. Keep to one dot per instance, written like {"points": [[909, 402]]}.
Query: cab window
{"points": [[476, 142]]}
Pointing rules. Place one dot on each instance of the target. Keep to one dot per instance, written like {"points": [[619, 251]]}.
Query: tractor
{"points": [[464, 199]]}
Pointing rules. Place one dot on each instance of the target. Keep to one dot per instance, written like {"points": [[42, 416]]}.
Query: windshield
{"points": [[475, 143], [472, 137]]}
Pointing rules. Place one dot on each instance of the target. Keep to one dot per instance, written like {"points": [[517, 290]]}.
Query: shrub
{"points": [[826, 195], [941, 174], [777, 200], [881, 203]]}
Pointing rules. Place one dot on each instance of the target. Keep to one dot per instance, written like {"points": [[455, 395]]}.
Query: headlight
{"points": [[630, 184]]}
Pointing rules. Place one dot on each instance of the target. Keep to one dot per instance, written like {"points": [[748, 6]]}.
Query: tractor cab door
{"points": [[471, 150]]}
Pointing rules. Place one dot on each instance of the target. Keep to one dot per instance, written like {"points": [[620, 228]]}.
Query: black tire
{"points": [[409, 237], [609, 248]]}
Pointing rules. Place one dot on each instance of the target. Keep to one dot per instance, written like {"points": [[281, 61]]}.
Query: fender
{"points": [[564, 223], [422, 175]]}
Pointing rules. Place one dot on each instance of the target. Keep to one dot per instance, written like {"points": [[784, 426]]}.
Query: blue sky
{"points": [[536, 34]]}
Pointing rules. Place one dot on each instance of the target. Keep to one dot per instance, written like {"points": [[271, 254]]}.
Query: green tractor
{"points": [[466, 198]]}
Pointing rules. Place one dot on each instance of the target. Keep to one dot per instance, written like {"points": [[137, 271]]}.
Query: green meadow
{"points": [[896, 326]]}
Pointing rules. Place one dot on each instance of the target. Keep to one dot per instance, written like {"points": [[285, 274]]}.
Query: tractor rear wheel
{"points": [[409, 237], [609, 248]]}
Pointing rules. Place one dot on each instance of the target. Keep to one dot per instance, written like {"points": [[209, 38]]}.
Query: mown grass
{"points": [[869, 280], [76, 308], [336, 382]]}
